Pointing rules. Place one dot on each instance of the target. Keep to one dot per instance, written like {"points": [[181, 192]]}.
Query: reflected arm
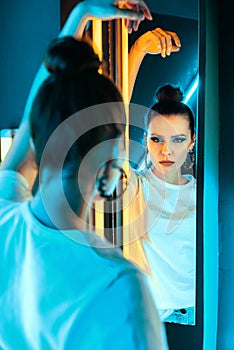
{"points": [[157, 41]]}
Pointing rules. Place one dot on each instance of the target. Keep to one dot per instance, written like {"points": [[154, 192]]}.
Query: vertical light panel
{"points": [[118, 64], [5, 146], [97, 38], [97, 45], [99, 218], [122, 232], [124, 50], [6, 139], [125, 84]]}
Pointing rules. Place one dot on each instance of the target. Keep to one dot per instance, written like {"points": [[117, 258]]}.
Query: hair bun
{"points": [[169, 93], [69, 54]]}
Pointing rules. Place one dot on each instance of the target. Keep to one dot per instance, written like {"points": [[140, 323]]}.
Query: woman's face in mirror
{"points": [[168, 142]]}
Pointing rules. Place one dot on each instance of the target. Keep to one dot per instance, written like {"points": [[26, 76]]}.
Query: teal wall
{"points": [[26, 28], [210, 94], [226, 178]]}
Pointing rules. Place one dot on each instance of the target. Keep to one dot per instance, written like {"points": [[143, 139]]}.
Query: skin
{"points": [[168, 142], [21, 156], [154, 42]]}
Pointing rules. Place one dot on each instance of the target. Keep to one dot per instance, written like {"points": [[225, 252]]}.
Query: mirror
{"points": [[179, 69]]}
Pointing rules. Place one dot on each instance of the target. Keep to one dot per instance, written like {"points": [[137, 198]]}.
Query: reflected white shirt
{"points": [[169, 244]]}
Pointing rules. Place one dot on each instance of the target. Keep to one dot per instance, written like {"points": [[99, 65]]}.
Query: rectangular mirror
{"points": [[179, 69], [172, 253]]}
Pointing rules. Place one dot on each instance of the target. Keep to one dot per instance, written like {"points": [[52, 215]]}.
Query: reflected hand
{"points": [[133, 11], [158, 41], [107, 179]]}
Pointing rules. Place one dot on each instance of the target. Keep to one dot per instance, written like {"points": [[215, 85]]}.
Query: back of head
{"points": [[75, 84], [169, 93], [169, 102]]}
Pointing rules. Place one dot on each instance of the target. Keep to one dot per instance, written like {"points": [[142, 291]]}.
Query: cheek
{"points": [[154, 154], [154, 148], [180, 153]]}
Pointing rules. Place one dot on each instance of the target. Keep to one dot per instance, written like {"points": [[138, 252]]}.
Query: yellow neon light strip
{"points": [[97, 38], [125, 83], [97, 45]]}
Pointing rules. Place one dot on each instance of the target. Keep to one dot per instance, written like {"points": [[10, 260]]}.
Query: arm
{"points": [[157, 41], [20, 156]]}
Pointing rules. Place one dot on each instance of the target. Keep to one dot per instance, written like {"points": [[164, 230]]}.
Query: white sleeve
{"points": [[133, 316], [148, 331], [14, 186]]}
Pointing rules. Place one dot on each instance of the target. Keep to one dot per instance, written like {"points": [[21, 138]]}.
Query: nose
{"points": [[166, 149]]}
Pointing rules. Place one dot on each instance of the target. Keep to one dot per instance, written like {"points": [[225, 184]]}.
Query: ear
{"points": [[192, 144]]}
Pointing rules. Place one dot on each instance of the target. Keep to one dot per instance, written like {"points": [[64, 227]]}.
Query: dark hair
{"points": [[169, 102], [73, 85]]}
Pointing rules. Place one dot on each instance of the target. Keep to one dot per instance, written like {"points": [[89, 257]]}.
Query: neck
{"points": [[65, 209], [173, 177]]}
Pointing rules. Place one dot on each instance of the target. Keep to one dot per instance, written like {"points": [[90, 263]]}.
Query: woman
{"points": [[59, 289], [162, 207]]}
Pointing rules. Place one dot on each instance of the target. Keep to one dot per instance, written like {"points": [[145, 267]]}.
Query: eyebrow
{"points": [[182, 135]]}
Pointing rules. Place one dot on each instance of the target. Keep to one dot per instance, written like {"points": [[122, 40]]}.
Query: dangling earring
{"points": [[148, 164], [190, 163]]}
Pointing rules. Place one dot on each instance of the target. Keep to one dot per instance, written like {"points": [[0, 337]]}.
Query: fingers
{"points": [[136, 5], [166, 42], [135, 25], [131, 25], [143, 8], [175, 38], [166, 39], [175, 48], [108, 178]]}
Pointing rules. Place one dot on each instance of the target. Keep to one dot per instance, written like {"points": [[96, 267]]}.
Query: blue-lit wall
{"points": [[219, 177], [26, 27], [226, 182], [209, 146]]}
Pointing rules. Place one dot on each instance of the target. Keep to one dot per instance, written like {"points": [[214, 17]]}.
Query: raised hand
{"points": [[133, 11], [136, 6], [158, 41]]}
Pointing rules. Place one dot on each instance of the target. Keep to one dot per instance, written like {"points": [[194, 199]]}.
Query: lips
{"points": [[166, 163]]}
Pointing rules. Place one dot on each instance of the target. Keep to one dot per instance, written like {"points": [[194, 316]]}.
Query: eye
{"points": [[156, 139], [178, 139]]}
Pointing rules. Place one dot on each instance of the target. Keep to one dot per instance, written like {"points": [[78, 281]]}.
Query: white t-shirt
{"points": [[169, 242], [58, 294]]}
